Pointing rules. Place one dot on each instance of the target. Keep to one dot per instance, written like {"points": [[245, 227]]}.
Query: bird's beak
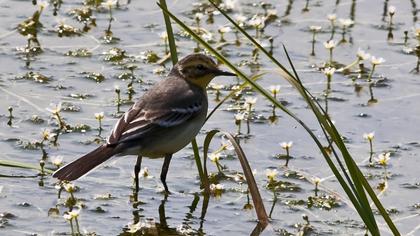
{"points": [[218, 72]]}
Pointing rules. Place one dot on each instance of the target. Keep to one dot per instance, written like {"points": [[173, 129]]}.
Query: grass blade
{"points": [[174, 59], [358, 206], [198, 163], [360, 182], [169, 31], [243, 85], [252, 185], [16, 164]]}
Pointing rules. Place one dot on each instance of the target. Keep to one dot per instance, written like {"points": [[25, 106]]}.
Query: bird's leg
{"points": [[164, 171], [136, 172]]}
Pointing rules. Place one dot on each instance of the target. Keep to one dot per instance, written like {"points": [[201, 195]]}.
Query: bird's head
{"points": [[199, 69]]}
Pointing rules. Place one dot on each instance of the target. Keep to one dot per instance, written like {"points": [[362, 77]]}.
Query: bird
{"points": [[162, 122]]}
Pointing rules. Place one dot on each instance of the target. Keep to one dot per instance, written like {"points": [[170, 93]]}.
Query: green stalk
{"points": [[355, 172], [171, 38], [358, 198], [357, 185], [252, 185], [198, 162], [174, 58], [243, 85], [16, 164]]}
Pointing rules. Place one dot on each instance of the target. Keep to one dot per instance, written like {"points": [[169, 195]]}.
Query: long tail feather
{"points": [[84, 164]]}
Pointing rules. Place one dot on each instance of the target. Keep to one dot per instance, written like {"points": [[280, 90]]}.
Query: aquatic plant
{"points": [[99, 117], [287, 146], [354, 185], [314, 29], [369, 137]]}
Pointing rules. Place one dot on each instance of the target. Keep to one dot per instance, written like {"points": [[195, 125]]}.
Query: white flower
{"points": [[74, 213], [207, 36], [362, 55], [230, 4], [56, 109], [330, 44], [164, 35], [238, 178], [240, 19], [69, 187], [45, 134], [316, 180], [67, 216], [417, 33], [99, 115], [109, 3], [57, 160], [159, 70], [144, 172], [226, 144], [239, 116], [315, 28], [216, 187], [214, 157], [114, 52], [250, 101], [329, 71], [391, 10], [369, 136], [256, 21], [332, 17], [43, 4], [57, 186], [225, 29], [272, 12], [216, 86], [286, 145], [383, 158], [377, 61], [271, 174], [346, 22], [198, 16], [133, 228], [275, 89], [71, 214]]}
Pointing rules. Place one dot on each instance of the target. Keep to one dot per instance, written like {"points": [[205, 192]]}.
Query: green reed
{"points": [[202, 169], [350, 178]]}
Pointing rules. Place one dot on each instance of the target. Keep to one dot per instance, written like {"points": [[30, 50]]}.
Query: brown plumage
{"points": [[163, 121]]}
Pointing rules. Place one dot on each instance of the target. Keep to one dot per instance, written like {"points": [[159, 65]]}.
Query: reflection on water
{"points": [[91, 58], [147, 226]]}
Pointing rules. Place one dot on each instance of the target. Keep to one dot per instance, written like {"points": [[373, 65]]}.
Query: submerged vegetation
{"points": [[309, 76]]}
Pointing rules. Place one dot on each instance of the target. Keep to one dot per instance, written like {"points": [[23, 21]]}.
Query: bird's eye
{"points": [[200, 67]]}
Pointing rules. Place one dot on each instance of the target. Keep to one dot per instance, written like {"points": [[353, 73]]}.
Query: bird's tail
{"points": [[84, 164]]}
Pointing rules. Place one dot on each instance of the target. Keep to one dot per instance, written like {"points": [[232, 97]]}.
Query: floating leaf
{"points": [[97, 77], [35, 76], [80, 52]]}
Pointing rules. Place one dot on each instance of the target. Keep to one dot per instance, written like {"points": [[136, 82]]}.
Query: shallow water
{"points": [[394, 118]]}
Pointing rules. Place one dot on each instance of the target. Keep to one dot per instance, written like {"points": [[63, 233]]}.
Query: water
{"points": [[394, 118]]}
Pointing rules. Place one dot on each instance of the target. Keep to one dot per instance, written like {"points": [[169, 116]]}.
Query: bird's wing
{"points": [[152, 120], [155, 113]]}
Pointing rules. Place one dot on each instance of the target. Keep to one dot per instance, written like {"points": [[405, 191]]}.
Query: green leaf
{"points": [[357, 184], [16, 164]]}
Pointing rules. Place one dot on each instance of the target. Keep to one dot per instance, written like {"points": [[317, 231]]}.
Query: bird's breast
{"points": [[175, 138]]}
